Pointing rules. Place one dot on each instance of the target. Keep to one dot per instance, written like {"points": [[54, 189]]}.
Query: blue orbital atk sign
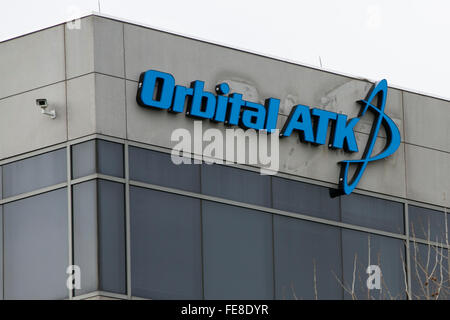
{"points": [[157, 89]]}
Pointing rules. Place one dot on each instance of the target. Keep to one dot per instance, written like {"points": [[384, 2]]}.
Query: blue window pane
{"points": [[1, 182], [99, 235], [97, 156], [308, 261], [36, 252], [237, 252], [111, 215], [34, 173], [157, 168], [165, 245], [83, 159], [372, 212], [308, 199], [236, 184], [429, 272], [85, 229], [110, 158], [1, 252], [386, 253], [426, 223]]}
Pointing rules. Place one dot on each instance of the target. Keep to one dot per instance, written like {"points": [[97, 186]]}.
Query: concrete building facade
{"points": [[95, 187]]}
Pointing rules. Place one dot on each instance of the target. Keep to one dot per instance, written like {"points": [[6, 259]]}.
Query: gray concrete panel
{"points": [[96, 104], [427, 121], [22, 126], [191, 60], [108, 47], [81, 106], [80, 48], [110, 106], [96, 46], [428, 175], [32, 61]]}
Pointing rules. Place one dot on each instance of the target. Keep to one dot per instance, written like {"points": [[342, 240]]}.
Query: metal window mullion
{"points": [[69, 211], [33, 193], [430, 243], [127, 221], [408, 252]]}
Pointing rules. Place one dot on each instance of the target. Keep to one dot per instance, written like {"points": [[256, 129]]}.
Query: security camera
{"points": [[42, 103]]}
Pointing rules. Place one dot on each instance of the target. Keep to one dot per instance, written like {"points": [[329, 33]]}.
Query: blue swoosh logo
{"points": [[379, 90]]}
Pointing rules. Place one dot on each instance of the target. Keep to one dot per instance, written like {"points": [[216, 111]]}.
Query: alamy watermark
{"points": [[374, 279], [74, 278], [249, 147]]}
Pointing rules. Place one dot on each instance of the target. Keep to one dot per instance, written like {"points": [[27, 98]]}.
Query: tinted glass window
{"points": [[361, 250], [99, 235], [307, 260], [36, 247], [1, 182], [426, 223], [237, 249], [110, 158], [34, 173], [373, 213], [85, 230], [308, 199], [429, 272], [83, 159], [157, 168], [1, 252], [165, 245], [111, 215], [236, 184], [97, 156]]}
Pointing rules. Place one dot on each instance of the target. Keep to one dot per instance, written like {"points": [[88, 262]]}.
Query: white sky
{"points": [[405, 41]]}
